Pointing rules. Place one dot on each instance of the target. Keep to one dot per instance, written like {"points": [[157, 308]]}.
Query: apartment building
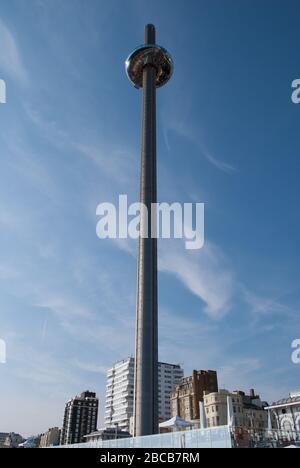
{"points": [[50, 438], [190, 391], [215, 405], [80, 418], [120, 392]]}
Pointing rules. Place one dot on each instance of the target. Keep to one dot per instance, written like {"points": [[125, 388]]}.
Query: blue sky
{"points": [[228, 136]]}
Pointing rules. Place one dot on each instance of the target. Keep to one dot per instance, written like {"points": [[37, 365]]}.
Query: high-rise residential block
{"points": [[120, 392], [80, 418]]}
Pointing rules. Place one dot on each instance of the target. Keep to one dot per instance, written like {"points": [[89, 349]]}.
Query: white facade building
{"points": [[287, 413], [169, 375], [120, 392]]}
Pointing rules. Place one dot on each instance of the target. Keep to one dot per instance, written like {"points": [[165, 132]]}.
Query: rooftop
{"points": [[293, 398]]}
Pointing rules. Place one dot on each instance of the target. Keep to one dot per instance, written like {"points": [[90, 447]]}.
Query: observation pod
{"points": [[149, 54]]}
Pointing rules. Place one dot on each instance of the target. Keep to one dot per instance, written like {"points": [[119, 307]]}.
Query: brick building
{"points": [[189, 392]]}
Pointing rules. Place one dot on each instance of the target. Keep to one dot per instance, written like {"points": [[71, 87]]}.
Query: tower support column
{"points": [[146, 372], [148, 67]]}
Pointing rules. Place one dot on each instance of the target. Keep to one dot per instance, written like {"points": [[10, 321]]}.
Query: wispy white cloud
{"points": [[197, 344], [204, 273], [127, 245], [10, 57], [97, 323], [64, 307], [31, 363], [263, 306], [239, 373], [186, 131], [115, 162], [111, 338], [8, 218], [8, 272], [187, 339], [28, 164], [90, 367]]}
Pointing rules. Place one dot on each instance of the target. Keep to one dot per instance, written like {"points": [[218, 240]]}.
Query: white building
{"points": [[216, 408], [287, 413], [169, 375], [11, 440], [50, 438], [120, 392]]}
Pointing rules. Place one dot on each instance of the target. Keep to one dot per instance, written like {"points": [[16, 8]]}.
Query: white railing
{"points": [[217, 437]]}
